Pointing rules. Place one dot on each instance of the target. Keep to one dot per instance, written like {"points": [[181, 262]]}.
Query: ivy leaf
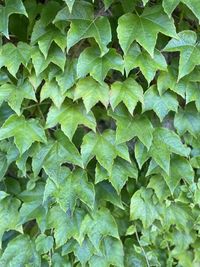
{"points": [[15, 95], [160, 104], [187, 120], [144, 28], [14, 255], [52, 90], [67, 78], [129, 92], [91, 92], [51, 155], [55, 56], [143, 208], [193, 5], [70, 4], [25, 132], [189, 51], [12, 56], [104, 147], [11, 7], [164, 143], [85, 25], [184, 171], [90, 62], [129, 127], [9, 215], [141, 154], [44, 243], [148, 66], [67, 187], [70, 115], [106, 258], [100, 225], [121, 171], [158, 184], [67, 226]]}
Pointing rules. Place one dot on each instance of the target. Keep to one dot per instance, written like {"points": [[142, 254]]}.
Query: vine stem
{"points": [[145, 255]]}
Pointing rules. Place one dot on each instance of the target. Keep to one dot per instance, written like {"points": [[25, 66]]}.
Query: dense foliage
{"points": [[99, 130]]}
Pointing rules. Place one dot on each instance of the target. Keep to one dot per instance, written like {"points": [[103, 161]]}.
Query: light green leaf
{"points": [[144, 28], [11, 7], [9, 215], [141, 153], [104, 147], [179, 169], [25, 132], [91, 62], [91, 92], [67, 226], [51, 90], [100, 225], [70, 115], [15, 95], [121, 171], [85, 25], [51, 155], [70, 4], [193, 5], [14, 255], [148, 66], [106, 258], [161, 104], [189, 51], [129, 92], [158, 184], [143, 208], [44, 243], [67, 187], [164, 143], [129, 127], [12, 56], [67, 78], [187, 120]]}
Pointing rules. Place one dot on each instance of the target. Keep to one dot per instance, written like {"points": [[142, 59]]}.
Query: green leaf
{"points": [[107, 258], [129, 92], [141, 154], [70, 4], [15, 95], [44, 243], [100, 225], [67, 187], [121, 171], [67, 226], [51, 90], [14, 255], [55, 56], [91, 62], [162, 105], [144, 28], [189, 51], [9, 215], [51, 155], [148, 66], [184, 171], [193, 5], [25, 132], [12, 56], [187, 120], [164, 143], [70, 115], [158, 184], [104, 147], [85, 25], [11, 7], [129, 127], [91, 92], [143, 208]]}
